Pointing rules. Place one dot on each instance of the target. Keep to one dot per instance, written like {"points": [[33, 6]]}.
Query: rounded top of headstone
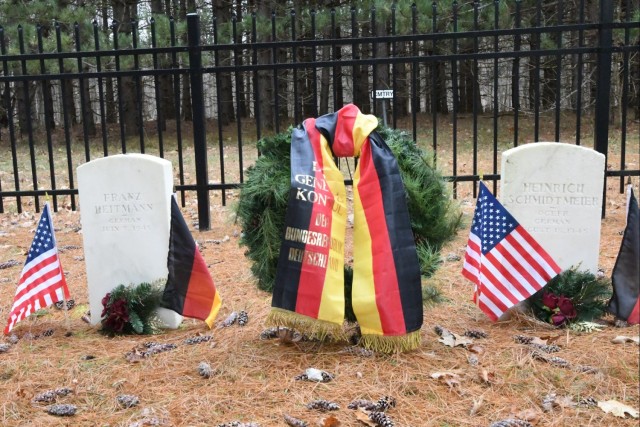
{"points": [[129, 157], [554, 147]]}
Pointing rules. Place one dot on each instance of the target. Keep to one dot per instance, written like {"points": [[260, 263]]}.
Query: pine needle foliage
{"points": [[141, 302], [588, 293], [262, 206]]}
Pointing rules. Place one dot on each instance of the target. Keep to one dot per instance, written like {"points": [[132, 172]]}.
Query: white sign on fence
{"points": [[382, 94]]}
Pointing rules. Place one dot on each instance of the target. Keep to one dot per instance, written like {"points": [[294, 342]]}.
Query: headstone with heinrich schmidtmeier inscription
{"points": [[555, 191], [125, 210]]}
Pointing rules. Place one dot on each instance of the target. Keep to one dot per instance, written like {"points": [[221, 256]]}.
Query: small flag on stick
{"points": [[625, 278], [503, 260], [42, 281], [190, 290]]}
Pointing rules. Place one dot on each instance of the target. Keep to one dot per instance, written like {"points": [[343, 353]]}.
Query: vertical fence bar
{"points": [[28, 112], [176, 102], [46, 95], [414, 74], [624, 101], [558, 91], [314, 70], [536, 76], [199, 134], [496, 50], [254, 62], [216, 62], [354, 54], [156, 88], [274, 54], [136, 80], [123, 139], [8, 108], [394, 74], [474, 96], [103, 114], [580, 70], [374, 73], [434, 83], [294, 59], [603, 89], [337, 75], [236, 62], [83, 99], [454, 88], [65, 114], [515, 85]]}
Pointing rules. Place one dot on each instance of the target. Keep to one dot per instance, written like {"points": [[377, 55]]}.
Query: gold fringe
{"points": [[391, 344], [313, 328]]}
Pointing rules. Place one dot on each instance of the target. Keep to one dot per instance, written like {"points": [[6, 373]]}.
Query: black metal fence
{"points": [[467, 83]]}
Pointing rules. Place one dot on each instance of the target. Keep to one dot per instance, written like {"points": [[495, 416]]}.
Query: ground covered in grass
{"points": [[494, 378]]}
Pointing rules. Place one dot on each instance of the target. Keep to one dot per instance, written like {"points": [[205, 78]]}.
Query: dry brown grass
{"points": [[254, 378]]}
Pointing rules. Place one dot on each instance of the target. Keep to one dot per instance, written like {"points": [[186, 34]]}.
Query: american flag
{"points": [[42, 282], [504, 262]]}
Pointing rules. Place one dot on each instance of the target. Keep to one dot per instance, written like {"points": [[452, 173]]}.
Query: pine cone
{"points": [[588, 402], [50, 396], [359, 351], [204, 369], [439, 329], [238, 424], [511, 423], [523, 339], [47, 333], [4, 347], [61, 306], [9, 264], [551, 348], [243, 318], [127, 400], [230, 320], [384, 403], [367, 405], [294, 422], [323, 405], [558, 361], [198, 339], [62, 410], [381, 419], [586, 369], [548, 402], [473, 333], [269, 333]]}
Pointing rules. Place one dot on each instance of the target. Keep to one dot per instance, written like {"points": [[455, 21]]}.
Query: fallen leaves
{"points": [[618, 409], [621, 339]]}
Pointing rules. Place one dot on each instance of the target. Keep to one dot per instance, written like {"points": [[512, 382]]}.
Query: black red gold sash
{"points": [[309, 287]]}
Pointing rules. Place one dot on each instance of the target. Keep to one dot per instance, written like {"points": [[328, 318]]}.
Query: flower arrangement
{"points": [[131, 309], [571, 297]]}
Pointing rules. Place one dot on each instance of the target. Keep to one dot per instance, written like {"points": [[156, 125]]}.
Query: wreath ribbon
{"points": [[309, 290]]}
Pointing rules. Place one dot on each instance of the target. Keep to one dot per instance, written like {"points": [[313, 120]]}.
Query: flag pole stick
{"points": [[478, 291], [67, 321]]}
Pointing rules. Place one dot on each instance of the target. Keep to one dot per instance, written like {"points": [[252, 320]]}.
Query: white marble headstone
{"points": [[125, 211], [554, 190]]}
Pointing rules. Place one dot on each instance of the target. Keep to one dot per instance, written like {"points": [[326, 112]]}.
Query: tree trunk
{"points": [[88, 117], [402, 76], [123, 11], [187, 108], [382, 70], [361, 75], [325, 81], [265, 111], [222, 12]]}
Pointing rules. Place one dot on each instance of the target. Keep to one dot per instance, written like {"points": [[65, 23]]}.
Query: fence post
{"points": [[603, 87], [199, 134]]}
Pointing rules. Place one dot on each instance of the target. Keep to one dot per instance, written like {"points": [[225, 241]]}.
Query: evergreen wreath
{"points": [[572, 297], [262, 206], [131, 309]]}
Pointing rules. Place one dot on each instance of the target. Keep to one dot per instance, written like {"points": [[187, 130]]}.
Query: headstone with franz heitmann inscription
{"points": [[555, 192], [125, 210]]}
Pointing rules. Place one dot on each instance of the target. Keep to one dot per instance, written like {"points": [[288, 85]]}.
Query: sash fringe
{"points": [[313, 328], [391, 344]]}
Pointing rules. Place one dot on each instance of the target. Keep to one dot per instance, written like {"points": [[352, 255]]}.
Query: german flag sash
{"points": [[309, 287]]}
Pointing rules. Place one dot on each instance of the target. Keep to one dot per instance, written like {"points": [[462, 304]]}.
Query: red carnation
{"points": [[550, 300], [566, 307], [558, 319]]}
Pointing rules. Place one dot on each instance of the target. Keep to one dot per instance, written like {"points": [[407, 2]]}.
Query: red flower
{"points": [[558, 319], [566, 307], [549, 300], [117, 316], [105, 303]]}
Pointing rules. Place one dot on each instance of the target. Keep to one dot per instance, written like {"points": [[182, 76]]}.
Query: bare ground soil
{"points": [[254, 379]]}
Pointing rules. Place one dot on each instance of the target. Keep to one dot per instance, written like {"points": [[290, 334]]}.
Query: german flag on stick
{"points": [[309, 287], [625, 278], [190, 290]]}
